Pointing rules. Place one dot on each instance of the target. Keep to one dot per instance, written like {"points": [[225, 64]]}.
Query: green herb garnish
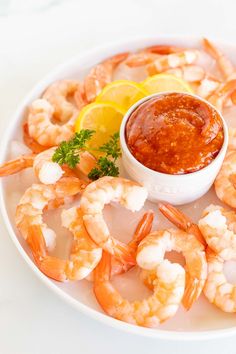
{"points": [[112, 148], [106, 165], [69, 153]]}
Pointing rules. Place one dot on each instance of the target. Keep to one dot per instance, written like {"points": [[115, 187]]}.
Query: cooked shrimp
{"points": [[232, 138], [141, 58], [150, 312], [13, 166], [39, 197], [225, 180], [50, 172], [66, 97], [218, 226], [223, 92], [207, 86], [163, 49], [103, 191], [148, 277], [202, 82], [41, 238], [150, 54], [84, 255], [159, 63], [142, 230], [190, 73], [47, 171], [101, 75], [228, 71], [151, 253], [233, 97], [225, 65], [172, 61], [43, 130], [32, 144], [87, 162], [181, 220], [217, 289]]}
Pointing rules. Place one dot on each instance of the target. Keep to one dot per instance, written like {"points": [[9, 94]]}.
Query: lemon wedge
{"points": [[104, 118], [165, 83], [122, 92]]}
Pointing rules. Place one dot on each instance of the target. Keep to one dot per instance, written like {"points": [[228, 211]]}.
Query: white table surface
{"points": [[32, 319]]}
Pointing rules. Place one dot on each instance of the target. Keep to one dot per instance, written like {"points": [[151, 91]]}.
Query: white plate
{"points": [[204, 320]]}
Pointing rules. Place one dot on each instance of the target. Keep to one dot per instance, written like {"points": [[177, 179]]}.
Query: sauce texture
{"points": [[174, 133]]}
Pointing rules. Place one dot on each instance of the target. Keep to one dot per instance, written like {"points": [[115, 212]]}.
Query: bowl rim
{"points": [[107, 49], [168, 176]]}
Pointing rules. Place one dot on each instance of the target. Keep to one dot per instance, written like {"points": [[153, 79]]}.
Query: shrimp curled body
{"points": [[47, 171], [226, 180], [151, 253], [60, 94], [217, 289], [85, 254], [41, 127], [150, 312], [218, 226], [98, 193]]}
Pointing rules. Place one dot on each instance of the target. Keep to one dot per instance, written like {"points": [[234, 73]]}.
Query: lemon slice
{"points": [[165, 83], [123, 92], [103, 117]]}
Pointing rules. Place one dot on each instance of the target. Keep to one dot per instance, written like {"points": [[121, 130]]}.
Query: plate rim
{"points": [[15, 118]]}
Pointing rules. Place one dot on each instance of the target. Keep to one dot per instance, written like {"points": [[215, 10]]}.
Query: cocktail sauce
{"points": [[174, 133]]}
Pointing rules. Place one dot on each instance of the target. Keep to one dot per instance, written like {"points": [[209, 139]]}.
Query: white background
{"points": [[32, 319]]}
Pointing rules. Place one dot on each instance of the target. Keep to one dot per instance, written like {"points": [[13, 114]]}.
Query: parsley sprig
{"points": [[68, 153], [106, 165], [112, 148]]}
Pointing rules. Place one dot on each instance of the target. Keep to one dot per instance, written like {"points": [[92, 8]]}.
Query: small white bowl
{"points": [[175, 189]]}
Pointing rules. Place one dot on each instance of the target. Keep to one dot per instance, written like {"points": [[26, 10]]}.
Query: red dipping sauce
{"points": [[174, 133]]}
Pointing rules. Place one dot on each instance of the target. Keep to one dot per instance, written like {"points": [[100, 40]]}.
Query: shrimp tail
{"points": [[127, 253], [52, 267], [143, 228], [225, 65], [109, 301], [70, 186], [36, 242], [87, 162], [103, 270], [195, 279], [192, 291], [101, 75], [211, 49], [14, 166], [233, 97], [164, 49], [174, 215], [224, 91], [180, 220], [123, 252], [140, 59]]}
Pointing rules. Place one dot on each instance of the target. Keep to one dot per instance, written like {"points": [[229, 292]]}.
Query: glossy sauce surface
{"points": [[174, 133]]}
